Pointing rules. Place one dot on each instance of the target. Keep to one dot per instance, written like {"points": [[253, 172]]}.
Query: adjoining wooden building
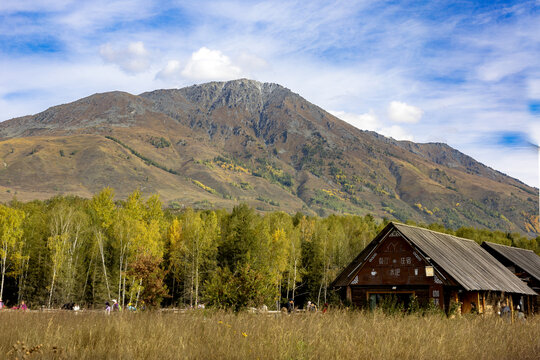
{"points": [[523, 263], [439, 268]]}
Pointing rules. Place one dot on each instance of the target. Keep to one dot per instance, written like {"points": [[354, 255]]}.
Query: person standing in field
{"points": [[107, 308], [520, 313], [1, 304], [116, 306], [325, 308], [506, 313], [23, 306], [290, 306]]}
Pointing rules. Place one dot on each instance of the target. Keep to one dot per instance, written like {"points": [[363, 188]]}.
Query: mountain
{"points": [[220, 143]]}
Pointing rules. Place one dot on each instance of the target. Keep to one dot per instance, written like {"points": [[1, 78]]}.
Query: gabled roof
{"points": [[523, 258], [464, 260]]}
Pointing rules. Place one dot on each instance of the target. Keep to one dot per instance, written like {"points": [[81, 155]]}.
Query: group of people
{"points": [[22, 306], [71, 306], [506, 313], [116, 307], [310, 307]]}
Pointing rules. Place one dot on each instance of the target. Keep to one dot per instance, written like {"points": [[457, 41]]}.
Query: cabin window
{"points": [[415, 272]]}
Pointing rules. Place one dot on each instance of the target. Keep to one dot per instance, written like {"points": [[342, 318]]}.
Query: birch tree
{"points": [[278, 248], [141, 241], [103, 211], [66, 227], [200, 232], [10, 237]]}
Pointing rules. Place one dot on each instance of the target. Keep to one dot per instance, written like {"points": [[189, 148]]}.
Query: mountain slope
{"points": [[219, 143]]}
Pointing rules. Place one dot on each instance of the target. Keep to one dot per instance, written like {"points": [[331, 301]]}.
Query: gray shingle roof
{"points": [[523, 258], [466, 261]]}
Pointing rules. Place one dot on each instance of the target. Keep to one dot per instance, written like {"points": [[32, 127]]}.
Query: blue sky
{"points": [[461, 72]]}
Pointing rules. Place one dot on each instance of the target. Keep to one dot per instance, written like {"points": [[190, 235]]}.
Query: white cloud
{"points": [[171, 71], [499, 69], [252, 61], [401, 112], [367, 121], [206, 64], [533, 88], [87, 16], [10, 6], [396, 132], [534, 133], [63, 82], [517, 162], [132, 59]]}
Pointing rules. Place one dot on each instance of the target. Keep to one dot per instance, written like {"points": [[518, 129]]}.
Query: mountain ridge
{"points": [[259, 143]]}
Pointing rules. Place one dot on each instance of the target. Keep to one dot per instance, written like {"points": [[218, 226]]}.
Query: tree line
{"points": [[88, 251]]}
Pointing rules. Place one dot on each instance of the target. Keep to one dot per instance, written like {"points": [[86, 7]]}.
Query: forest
{"points": [[88, 251]]}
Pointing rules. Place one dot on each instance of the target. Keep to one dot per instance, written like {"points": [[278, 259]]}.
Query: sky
{"points": [[466, 73]]}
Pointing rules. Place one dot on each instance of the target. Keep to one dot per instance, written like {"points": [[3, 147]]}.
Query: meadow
{"points": [[223, 335]]}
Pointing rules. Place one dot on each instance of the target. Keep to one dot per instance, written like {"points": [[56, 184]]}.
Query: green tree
{"points": [[151, 288], [139, 237], [282, 250], [35, 260], [239, 290], [239, 239], [67, 224], [103, 212], [10, 236], [175, 252]]}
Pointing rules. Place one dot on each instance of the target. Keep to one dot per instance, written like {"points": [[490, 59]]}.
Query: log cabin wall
{"points": [[467, 298], [394, 267]]}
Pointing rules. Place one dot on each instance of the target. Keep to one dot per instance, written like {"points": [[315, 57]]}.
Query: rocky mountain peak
{"points": [[250, 94]]}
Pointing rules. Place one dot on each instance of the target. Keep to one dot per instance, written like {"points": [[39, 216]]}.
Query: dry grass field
{"points": [[218, 335]]}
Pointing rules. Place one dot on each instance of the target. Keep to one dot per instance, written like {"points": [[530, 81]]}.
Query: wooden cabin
{"points": [[523, 263], [436, 268]]}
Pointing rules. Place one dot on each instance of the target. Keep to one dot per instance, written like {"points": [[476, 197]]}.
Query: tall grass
{"points": [[209, 335]]}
